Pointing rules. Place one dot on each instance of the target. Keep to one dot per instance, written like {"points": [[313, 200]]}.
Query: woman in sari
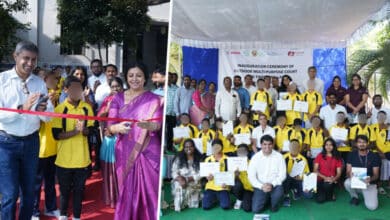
{"points": [[198, 110], [137, 149], [107, 150]]}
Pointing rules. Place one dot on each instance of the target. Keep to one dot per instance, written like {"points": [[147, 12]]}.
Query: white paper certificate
{"points": [[259, 106], [209, 149], [181, 132], [242, 139], [282, 95], [340, 134], [358, 178], [226, 178], [198, 144], [283, 105], [315, 152], [227, 128], [298, 168], [300, 106], [310, 182], [286, 146], [205, 169], [237, 163]]}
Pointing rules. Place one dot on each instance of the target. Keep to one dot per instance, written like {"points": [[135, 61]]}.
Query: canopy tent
{"points": [[279, 21]]}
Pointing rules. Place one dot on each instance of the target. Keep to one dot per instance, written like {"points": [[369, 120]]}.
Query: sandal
{"points": [[382, 191]]}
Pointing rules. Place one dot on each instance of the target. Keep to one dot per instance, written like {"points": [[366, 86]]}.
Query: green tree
{"points": [[100, 22], [9, 25], [366, 62]]}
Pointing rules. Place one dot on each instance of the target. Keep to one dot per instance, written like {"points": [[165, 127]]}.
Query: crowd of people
{"points": [[37, 150], [335, 133]]}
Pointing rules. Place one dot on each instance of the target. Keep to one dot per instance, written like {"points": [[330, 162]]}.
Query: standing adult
{"points": [[266, 173], [372, 114], [318, 83], [97, 78], [183, 97], [19, 138], [249, 84], [329, 112], [104, 89], [198, 110], [356, 98], [364, 158], [337, 89], [227, 102], [242, 92], [137, 150], [158, 79], [170, 116]]}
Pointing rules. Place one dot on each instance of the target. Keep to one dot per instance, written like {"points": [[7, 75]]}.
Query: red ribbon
{"points": [[74, 116]]}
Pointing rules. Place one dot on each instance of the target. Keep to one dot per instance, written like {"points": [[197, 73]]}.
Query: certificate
{"points": [[227, 128], [340, 134], [315, 152], [198, 144], [298, 168], [181, 132], [283, 105], [205, 169], [300, 106], [237, 163], [282, 95], [286, 146], [242, 139], [259, 106], [310, 182], [209, 149], [261, 217], [359, 176], [226, 178]]}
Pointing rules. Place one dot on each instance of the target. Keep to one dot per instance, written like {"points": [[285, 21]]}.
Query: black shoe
{"points": [[354, 201]]}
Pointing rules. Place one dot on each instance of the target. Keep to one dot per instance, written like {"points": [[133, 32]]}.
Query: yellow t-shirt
{"points": [[315, 139], [346, 148], [281, 135], [243, 130], [290, 160], [291, 115], [72, 152], [313, 99], [261, 96], [206, 137], [228, 147], [299, 135], [222, 162], [381, 138], [47, 143], [245, 181], [193, 134], [359, 130]]}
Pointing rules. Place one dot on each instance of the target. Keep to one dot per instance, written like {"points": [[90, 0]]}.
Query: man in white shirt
{"points": [[318, 83], [249, 85], [227, 102], [266, 173], [377, 100], [104, 89], [97, 78], [329, 112], [260, 131], [19, 137]]}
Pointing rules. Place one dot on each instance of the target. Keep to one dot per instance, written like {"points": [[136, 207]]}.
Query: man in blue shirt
{"points": [[170, 116], [242, 92], [183, 97]]}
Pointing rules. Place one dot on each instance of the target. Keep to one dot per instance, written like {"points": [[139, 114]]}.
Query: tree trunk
{"points": [[100, 51]]}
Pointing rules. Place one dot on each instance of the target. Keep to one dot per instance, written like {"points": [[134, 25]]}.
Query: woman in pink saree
{"points": [[203, 106], [138, 147]]}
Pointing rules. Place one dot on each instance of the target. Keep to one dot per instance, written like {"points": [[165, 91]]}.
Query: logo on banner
{"points": [[292, 53]]}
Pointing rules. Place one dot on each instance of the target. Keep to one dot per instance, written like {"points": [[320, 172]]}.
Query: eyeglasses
{"points": [[24, 88]]}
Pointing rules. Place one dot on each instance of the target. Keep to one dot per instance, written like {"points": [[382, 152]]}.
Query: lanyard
{"points": [[365, 161]]}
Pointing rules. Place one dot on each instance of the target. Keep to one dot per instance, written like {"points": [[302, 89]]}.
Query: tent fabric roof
{"points": [[273, 21], [159, 12]]}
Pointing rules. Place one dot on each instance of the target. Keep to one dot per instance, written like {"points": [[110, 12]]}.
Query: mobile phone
{"points": [[42, 99]]}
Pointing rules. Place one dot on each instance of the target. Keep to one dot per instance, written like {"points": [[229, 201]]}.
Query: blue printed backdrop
{"points": [[200, 63], [329, 63]]}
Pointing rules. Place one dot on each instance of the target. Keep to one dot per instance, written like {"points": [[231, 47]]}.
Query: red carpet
{"points": [[93, 205]]}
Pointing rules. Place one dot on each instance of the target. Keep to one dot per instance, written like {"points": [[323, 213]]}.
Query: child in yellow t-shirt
{"points": [[73, 157], [242, 188]]}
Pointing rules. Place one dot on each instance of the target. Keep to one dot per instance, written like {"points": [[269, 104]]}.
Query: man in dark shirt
{"points": [[363, 158]]}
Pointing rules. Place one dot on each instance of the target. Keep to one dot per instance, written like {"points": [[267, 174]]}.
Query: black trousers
{"points": [[170, 123], [325, 191], [71, 179], [242, 194]]}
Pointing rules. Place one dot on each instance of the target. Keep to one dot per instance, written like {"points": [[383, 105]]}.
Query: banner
{"points": [[259, 62]]}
